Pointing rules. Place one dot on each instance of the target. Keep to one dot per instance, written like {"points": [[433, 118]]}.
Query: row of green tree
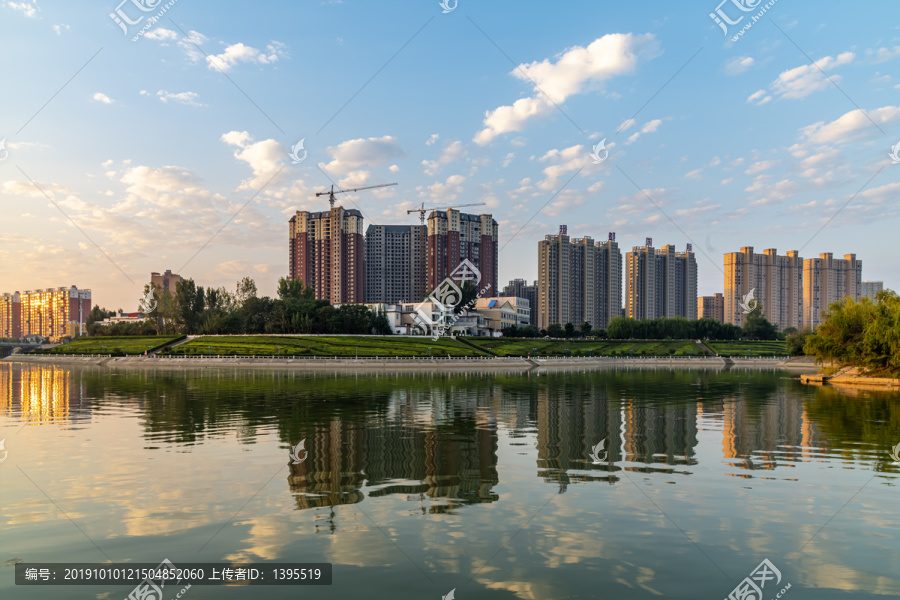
{"points": [[195, 310], [756, 327], [861, 334]]}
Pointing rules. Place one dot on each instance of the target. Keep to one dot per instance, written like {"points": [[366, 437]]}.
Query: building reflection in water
{"points": [[41, 394], [433, 438]]}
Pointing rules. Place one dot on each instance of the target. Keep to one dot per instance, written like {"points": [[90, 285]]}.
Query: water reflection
{"points": [[167, 459]]}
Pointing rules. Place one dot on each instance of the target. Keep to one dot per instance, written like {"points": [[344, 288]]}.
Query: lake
{"points": [[620, 483]]}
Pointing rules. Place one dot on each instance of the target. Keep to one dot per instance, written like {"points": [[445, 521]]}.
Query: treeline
{"points": [[195, 310], [862, 334]]}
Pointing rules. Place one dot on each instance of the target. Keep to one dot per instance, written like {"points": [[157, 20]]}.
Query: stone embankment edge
{"points": [[140, 362]]}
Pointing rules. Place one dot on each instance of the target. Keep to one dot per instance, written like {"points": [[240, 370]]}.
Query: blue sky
{"points": [[125, 157]]}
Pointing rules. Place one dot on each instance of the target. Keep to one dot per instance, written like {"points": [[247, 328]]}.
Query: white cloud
{"points": [[264, 157], [573, 72], [29, 9], [649, 127], [161, 33], [738, 65], [431, 141], [759, 97], [850, 126], [353, 155], [804, 80], [101, 97], [58, 29], [452, 151], [760, 166], [507, 160], [188, 98], [882, 54], [626, 124], [241, 53], [443, 192]]}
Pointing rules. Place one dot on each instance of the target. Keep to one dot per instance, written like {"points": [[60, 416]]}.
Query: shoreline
{"points": [[796, 364]]}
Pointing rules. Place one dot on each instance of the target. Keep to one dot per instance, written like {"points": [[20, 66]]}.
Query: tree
{"points": [[190, 300], [570, 330], [598, 333], [96, 315], [585, 329], [555, 331], [757, 327], [379, 324], [796, 340]]}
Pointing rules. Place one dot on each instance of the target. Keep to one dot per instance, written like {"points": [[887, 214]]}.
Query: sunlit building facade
{"points": [[776, 283], [827, 280], [52, 313]]}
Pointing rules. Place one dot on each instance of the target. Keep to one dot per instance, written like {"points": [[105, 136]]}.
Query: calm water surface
{"points": [[417, 484]]}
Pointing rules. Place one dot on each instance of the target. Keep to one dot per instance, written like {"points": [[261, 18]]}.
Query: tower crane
{"points": [[423, 210], [331, 192]]}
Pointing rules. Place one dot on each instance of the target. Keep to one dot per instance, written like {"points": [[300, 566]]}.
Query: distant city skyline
{"points": [[189, 148]]}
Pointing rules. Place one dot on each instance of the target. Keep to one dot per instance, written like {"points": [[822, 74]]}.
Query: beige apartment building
{"points": [[51, 313], [167, 282], [776, 283], [579, 280], [660, 282], [827, 280], [711, 307], [870, 289]]}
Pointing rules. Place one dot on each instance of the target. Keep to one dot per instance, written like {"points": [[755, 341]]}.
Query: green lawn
{"points": [[262, 345], [755, 348], [525, 347], [113, 345]]}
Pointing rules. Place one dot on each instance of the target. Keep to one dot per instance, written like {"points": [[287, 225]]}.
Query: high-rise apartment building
{"points": [[519, 288], [579, 281], [827, 280], [10, 316], [454, 236], [776, 283], [870, 289], [167, 282], [660, 282], [711, 307], [53, 313], [327, 251], [395, 263]]}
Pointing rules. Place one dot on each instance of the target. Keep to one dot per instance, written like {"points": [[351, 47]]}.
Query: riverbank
{"points": [[850, 376], [799, 364]]}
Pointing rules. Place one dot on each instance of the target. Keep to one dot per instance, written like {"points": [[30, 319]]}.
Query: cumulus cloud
{"points": [[241, 53], [102, 98], [161, 33], [264, 158], [573, 72], [352, 157], [759, 98], [58, 29], [442, 192], [800, 82], [760, 166]]}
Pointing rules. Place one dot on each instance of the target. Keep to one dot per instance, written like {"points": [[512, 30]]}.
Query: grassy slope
{"points": [[523, 347], [113, 344], [261, 345], [756, 348]]}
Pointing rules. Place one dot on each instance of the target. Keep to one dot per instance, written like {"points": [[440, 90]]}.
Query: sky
{"points": [[136, 146]]}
